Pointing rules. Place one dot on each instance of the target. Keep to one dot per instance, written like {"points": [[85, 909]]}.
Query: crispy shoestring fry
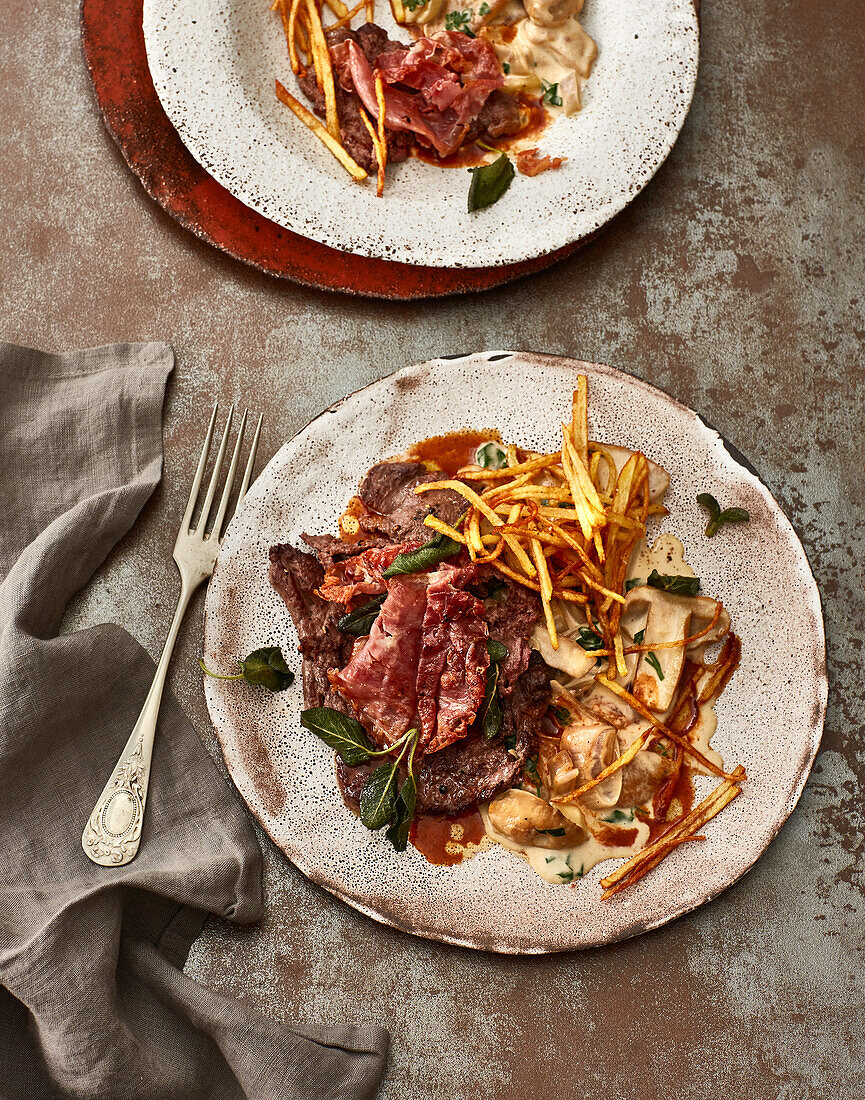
{"points": [[309, 119], [617, 689], [382, 111], [560, 593], [443, 528], [338, 8], [662, 850], [546, 590], [478, 473], [723, 669], [346, 19], [376, 147], [634, 868], [679, 641], [323, 68]]}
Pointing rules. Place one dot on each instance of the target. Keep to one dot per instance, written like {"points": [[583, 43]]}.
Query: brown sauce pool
{"points": [[452, 451], [446, 841], [471, 155]]}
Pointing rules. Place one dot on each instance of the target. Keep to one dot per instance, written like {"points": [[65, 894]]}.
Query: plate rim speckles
{"points": [[320, 835], [636, 104]]}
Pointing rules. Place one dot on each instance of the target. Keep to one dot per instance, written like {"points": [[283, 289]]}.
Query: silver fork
{"points": [[113, 831]]}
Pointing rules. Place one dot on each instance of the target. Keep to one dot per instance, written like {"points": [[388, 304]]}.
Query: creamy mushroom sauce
{"points": [[570, 864], [541, 42]]}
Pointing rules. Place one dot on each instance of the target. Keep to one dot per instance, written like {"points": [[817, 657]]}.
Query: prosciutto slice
{"points": [[453, 659], [362, 574], [450, 76], [380, 678]]}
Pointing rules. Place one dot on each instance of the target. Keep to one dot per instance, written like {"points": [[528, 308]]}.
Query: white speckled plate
{"points": [[214, 67], [770, 718]]}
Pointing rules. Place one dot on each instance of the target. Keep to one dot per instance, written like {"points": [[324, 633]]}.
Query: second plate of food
{"points": [[604, 87], [557, 697]]}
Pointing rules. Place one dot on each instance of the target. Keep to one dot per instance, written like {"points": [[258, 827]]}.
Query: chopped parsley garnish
{"points": [[551, 94], [652, 660], [459, 21], [562, 715], [620, 815], [484, 9], [551, 832], [638, 637], [413, 5], [589, 640], [505, 68]]}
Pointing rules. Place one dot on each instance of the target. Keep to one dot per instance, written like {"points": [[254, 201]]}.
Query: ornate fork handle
{"points": [[113, 831]]}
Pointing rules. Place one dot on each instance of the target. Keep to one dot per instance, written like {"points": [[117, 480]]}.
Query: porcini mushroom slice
{"points": [[643, 777], [528, 820], [569, 658], [593, 747], [668, 620]]}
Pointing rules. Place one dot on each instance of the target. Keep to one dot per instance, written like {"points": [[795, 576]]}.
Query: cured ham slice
{"points": [[453, 660], [362, 574], [380, 678], [450, 76]]}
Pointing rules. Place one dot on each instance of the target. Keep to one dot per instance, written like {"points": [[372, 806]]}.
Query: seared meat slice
{"points": [[295, 576], [511, 615], [330, 548], [387, 491], [500, 117], [353, 134]]}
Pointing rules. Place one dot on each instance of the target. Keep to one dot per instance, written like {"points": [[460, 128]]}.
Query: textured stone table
{"points": [[734, 282]]}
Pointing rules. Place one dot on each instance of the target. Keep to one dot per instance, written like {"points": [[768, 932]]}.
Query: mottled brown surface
{"points": [[735, 282]]}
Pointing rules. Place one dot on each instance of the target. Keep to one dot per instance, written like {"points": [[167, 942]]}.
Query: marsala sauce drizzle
{"points": [[446, 841], [452, 451]]}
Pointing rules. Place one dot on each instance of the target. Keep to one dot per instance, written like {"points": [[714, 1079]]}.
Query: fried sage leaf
{"points": [[490, 713], [359, 622], [489, 182], [588, 639], [344, 735], [406, 801], [378, 797], [431, 553], [264, 667], [717, 518], [677, 586]]}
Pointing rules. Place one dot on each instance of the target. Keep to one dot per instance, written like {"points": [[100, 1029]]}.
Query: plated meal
{"points": [[600, 91], [491, 631], [481, 860], [471, 77]]}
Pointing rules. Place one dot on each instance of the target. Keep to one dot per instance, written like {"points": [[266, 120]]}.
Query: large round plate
{"points": [[214, 67], [770, 717]]}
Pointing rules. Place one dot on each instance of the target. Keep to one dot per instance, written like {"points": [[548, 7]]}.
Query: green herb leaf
{"points": [[551, 832], [491, 707], [717, 518], [378, 797], [492, 456], [263, 667], [652, 660], [589, 640], [531, 770], [563, 715], [484, 9], [397, 834], [505, 68], [638, 637], [677, 586], [632, 583], [413, 5], [620, 815], [346, 736], [496, 650], [459, 21], [551, 94], [431, 553], [359, 621], [489, 183]]}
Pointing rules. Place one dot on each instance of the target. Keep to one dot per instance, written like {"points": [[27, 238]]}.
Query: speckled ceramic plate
{"points": [[214, 66], [770, 718]]}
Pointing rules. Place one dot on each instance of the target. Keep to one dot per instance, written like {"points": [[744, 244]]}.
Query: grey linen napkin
{"points": [[93, 1000]]}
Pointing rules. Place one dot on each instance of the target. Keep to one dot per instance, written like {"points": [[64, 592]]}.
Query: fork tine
{"points": [[214, 477], [199, 473], [229, 478], [250, 463]]}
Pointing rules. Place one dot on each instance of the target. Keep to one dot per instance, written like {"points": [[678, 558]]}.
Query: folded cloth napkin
{"points": [[93, 1000]]}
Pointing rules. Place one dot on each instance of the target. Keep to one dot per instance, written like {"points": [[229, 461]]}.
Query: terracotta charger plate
{"points": [[114, 47], [770, 718]]}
